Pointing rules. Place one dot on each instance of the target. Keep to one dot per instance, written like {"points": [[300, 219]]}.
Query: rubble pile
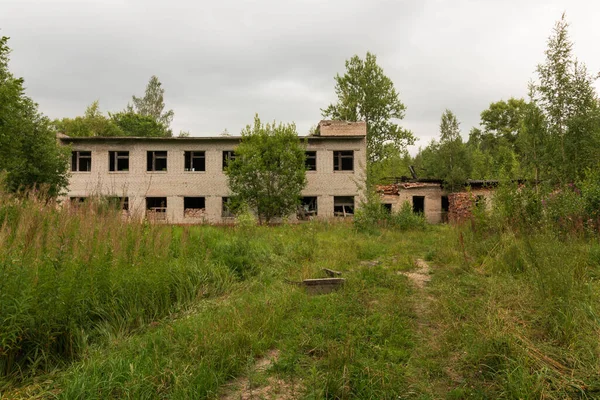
{"points": [[391, 190], [194, 212]]}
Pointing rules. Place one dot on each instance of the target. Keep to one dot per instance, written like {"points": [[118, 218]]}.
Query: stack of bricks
{"points": [[460, 207]]}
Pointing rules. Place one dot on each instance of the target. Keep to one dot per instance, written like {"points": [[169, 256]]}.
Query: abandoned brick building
{"points": [[428, 196], [182, 180]]}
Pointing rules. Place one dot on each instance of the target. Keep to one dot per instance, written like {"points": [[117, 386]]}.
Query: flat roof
{"points": [[188, 138]]}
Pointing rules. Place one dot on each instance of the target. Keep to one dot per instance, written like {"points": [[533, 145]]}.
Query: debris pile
{"points": [[194, 212], [460, 207]]}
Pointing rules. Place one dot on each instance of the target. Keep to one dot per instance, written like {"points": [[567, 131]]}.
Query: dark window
{"points": [[77, 200], [308, 208], [156, 208], [119, 203], [343, 160], [118, 161], [157, 161], [311, 161], [418, 204], [387, 207], [193, 207], [81, 161], [195, 161], [227, 156], [445, 204], [226, 211], [343, 206]]}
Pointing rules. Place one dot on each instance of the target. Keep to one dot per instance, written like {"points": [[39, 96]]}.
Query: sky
{"points": [[220, 62]]}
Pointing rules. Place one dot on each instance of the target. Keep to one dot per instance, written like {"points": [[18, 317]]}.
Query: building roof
{"points": [[65, 138]]}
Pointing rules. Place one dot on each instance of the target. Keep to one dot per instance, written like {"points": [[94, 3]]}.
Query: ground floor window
{"points": [[156, 208], [118, 203], [343, 206], [194, 207], [387, 207], [418, 204], [308, 208], [226, 211]]}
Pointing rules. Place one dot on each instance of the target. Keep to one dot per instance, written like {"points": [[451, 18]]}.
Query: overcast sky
{"points": [[222, 61]]}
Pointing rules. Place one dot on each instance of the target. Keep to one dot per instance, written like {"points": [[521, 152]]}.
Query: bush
{"points": [[373, 214]]}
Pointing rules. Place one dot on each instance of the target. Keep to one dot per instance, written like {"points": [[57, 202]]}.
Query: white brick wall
{"points": [[175, 183]]}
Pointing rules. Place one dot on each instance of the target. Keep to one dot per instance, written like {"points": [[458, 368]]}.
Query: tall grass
{"points": [[69, 276]]}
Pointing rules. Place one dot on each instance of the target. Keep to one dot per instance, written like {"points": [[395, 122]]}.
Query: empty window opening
{"points": [[343, 160], [480, 201], [343, 206], [311, 161], [226, 210], [76, 201], [418, 204], [118, 203], [195, 161], [228, 155], [156, 208], [157, 161], [81, 161], [194, 207], [387, 207], [308, 208], [118, 161], [445, 204]]}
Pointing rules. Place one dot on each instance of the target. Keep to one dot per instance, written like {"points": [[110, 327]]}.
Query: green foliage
{"points": [[268, 172], [92, 123], [365, 93], [152, 105], [137, 125], [373, 215], [30, 156]]}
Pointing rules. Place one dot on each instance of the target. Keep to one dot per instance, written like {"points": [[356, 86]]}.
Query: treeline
{"points": [[553, 136]]}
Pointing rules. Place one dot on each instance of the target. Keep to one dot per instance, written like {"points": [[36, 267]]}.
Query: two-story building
{"points": [[181, 180]]}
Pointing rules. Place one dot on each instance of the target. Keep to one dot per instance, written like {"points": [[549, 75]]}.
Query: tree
{"points": [[564, 93], [268, 171], [137, 125], [153, 105], [365, 93], [30, 155], [92, 123]]}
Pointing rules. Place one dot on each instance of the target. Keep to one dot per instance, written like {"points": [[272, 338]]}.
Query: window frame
{"points": [[228, 155], [152, 157], [113, 160], [344, 205], [188, 160], [76, 158], [338, 160], [310, 166]]}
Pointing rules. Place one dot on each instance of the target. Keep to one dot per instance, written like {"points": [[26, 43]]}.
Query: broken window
{"points": [[157, 161], [343, 206], [226, 211], [156, 208], [343, 160], [194, 207], [387, 207], [308, 208], [228, 155], [311, 161], [418, 204], [118, 161], [118, 203], [81, 161], [195, 161], [445, 208]]}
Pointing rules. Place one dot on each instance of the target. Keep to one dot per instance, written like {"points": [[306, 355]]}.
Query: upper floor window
{"points": [[157, 161], [227, 156], [118, 161], [311, 161], [195, 161], [343, 160], [81, 161]]}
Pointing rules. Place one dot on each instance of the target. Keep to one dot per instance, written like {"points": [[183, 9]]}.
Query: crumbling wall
{"points": [[460, 207]]}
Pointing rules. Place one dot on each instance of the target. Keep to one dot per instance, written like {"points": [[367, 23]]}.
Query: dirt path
{"points": [[258, 385]]}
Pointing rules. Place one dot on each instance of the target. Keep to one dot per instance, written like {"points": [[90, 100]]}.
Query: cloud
{"points": [[221, 62]]}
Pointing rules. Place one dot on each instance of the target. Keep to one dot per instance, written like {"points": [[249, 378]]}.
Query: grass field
{"points": [[94, 308]]}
